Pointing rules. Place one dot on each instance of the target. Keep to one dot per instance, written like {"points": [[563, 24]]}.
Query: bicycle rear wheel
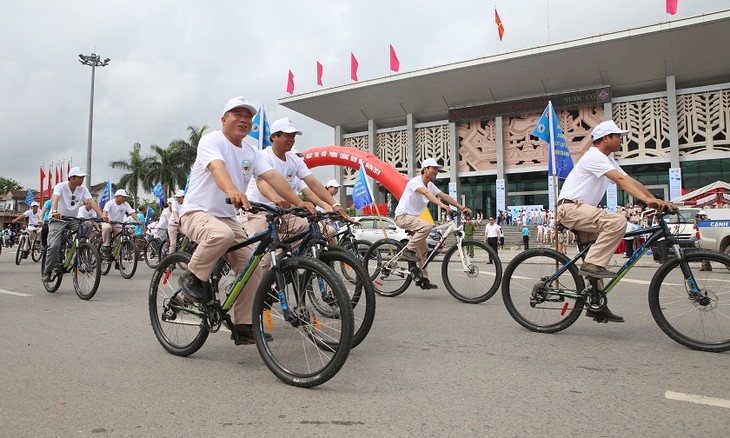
{"points": [[536, 304], [19, 251], [127, 259], [309, 347], [357, 248], [36, 251], [478, 280], [702, 322], [152, 252], [86, 272], [391, 276], [53, 285], [180, 326]]}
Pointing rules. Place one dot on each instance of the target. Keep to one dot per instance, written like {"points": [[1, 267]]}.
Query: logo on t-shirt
{"points": [[289, 174], [246, 167]]}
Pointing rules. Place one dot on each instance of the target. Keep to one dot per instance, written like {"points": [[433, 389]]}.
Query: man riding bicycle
{"points": [[418, 192], [34, 222], [582, 191]]}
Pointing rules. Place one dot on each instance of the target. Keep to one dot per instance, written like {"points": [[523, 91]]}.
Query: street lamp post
{"points": [[92, 61]]}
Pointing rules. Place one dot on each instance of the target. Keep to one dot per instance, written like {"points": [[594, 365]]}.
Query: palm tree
{"points": [[137, 166], [188, 149], [167, 167]]}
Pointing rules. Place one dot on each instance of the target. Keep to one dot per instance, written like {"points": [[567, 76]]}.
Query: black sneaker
{"points": [[425, 284], [604, 314], [594, 271], [409, 256], [245, 335], [192, 287], [46, 278]]}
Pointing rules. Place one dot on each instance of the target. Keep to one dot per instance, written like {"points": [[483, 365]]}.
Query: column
{"points": [[339, 174], [454, 160], [411, 146]]}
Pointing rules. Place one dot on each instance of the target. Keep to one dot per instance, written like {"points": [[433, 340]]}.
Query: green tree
{"points": [[137, 167], [7, 184], [166, 166], [188, 149]]}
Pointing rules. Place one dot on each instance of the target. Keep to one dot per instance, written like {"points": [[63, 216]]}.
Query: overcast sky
{"points": [[175, 63]]}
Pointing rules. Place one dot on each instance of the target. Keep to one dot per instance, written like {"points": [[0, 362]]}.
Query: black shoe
{"points": [[425, 284], [594, 271], [604, 314], [192, 287], [409, 256], [245, 335], [46, 278]]}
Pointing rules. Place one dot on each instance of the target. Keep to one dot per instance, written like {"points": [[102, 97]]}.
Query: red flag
{"points": [[68, 168], [498, 21], [50, 189], [319, 73], [672, 6], [58, 175], [43, 177], [353, 67], [290, 83], [394, 63]]}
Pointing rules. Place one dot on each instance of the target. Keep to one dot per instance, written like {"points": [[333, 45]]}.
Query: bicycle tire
{"points": [[127, 259], [529, 302], [308, 349], [19, 251], [105, 261], [390, 277], [53, 285], [152, 252], [358, 248], [698, 325], [469, 286], [177, 324], [86, 272], [36, 251], [361, 291]]}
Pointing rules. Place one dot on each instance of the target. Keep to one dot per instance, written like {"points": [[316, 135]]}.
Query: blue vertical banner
{"points": [[107, 195], [675, 183], [361, 194], [548, 129], [260, 129], [29, 198], [501, 204], [157, 190], [149, 215]]}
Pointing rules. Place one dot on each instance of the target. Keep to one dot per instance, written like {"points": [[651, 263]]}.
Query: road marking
{"points": [[17, 294], [699, 399]]}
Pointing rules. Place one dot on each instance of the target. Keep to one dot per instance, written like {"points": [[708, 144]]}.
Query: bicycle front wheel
{"points": [[473, 274], [391, 276], [307, 346], [357, 248], [537, 304], [53, 285], [179, 326], [700, 322], [36, 250], [19, 251], [152, 253], [86, 271], [127, 259]]}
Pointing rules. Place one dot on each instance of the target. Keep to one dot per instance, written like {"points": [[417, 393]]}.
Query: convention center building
{"points": [[668, 84]]}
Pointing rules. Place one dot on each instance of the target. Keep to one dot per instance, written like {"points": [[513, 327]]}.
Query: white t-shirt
{"points": [[492, 230], [587, 181], [86, 214], [292, 169], [242, 162], [117, 212], [175, 206], [33, 218], [164, 218], [78, 198], [412, 202]]}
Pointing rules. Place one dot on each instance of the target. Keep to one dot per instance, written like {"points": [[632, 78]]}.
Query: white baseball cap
{"points": [[76, 171], [34, 204], [239, 102], [180, 193], [121, 192], [332, 183], [430, 162], [284, 125], [605, 128]]}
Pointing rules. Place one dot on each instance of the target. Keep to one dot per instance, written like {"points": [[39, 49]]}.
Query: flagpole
{"points": [[554, 175]]}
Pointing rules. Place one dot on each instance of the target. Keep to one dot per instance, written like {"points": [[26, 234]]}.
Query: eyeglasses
{"points": [[73, 200]]}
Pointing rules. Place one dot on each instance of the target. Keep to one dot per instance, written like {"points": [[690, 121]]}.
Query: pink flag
{"points": [[672, 6], [290, 83], [319, 73], [498, 22], [353, 67], [394, 63]]}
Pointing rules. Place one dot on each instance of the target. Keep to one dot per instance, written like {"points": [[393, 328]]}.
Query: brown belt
{"points": [[565, 201]]}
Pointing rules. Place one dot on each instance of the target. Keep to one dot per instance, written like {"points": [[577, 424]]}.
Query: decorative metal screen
{"points": [[703, 122], [359, 142], [391, 147], [647, 122], [433, 142], [477, 145]]}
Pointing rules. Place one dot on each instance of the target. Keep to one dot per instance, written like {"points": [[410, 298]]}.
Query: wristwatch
{"points": [[336, 204]]}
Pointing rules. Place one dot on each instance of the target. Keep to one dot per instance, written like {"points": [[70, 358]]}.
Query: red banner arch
{"points": [[375, 168]]}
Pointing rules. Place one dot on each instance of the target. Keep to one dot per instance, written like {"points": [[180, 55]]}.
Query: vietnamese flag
{"points": [[43, 177], [498, 21], [50, 175], [672, 6], [290, 83], [319, 73], [353, 67], [394, 62]]}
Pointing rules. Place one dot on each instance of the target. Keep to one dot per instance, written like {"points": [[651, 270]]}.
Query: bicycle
{"points": [[469, 279], [24, 246], [310, 340], [347, 240], [154, 251], [79, 257], [544, 292], [122, 252]]}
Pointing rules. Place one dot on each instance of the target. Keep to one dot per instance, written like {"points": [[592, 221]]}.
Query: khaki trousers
{"points": [[421, 229], [606, 228]]}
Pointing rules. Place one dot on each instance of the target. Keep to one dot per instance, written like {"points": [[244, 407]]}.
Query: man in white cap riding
{"points": [[415, 198], [115, 210], [173, 223], [34, 222], [582, 191]]}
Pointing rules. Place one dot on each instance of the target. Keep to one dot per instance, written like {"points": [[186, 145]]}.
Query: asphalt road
{"points": [[431, 366]]}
